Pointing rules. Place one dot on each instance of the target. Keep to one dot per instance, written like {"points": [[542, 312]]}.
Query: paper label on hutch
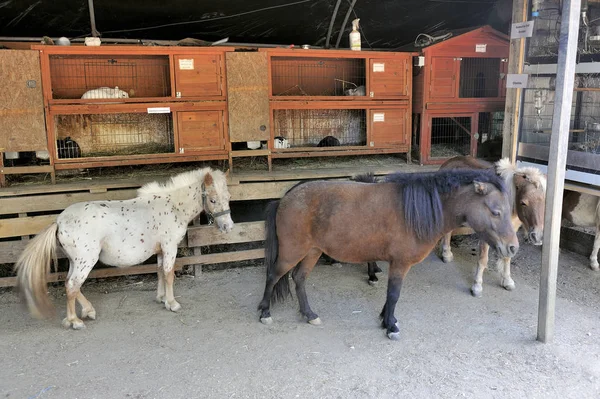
{"points": [[516, 80], [186, 63], [481, 48], [378, 117], [521, 29], [159, 110], [378, 67]]}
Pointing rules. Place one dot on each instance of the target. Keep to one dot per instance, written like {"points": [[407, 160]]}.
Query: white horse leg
{"points": [[594, 256], [87, 310], [169, 271], [507, 281], [447, 255], [160, 289], [482, 263]]}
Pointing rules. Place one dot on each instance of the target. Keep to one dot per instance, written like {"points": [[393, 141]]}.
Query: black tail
{"points": [[281, 290]]}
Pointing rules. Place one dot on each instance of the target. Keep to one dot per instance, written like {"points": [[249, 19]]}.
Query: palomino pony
{"points": [[399, 220], [583, 210], [122, 234], [527, 192]]}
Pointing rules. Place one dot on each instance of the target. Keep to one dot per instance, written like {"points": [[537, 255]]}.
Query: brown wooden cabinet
{"points": [[200, 131]]}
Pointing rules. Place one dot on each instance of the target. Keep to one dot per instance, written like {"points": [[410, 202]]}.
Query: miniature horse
{"points": [[583, 209], [122, 234], [399, 220], [527, 191], [372, 268]]}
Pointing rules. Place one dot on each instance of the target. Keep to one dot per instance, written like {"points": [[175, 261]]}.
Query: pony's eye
{"points": [[213, 201], [523, 203], [496, 212]]}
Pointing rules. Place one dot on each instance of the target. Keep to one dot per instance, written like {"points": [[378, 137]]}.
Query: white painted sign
{"points": [[159, 110], [186, 63], [378, 67], [516, 80], [521, 29], [379, 117], [481, 48]]}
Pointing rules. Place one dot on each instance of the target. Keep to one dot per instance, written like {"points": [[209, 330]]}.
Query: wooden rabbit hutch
{"points": [[311, 102], [115, 105], [459, 94]]}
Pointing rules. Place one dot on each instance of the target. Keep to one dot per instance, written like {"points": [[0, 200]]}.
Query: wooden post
{"points": [[2, 175], [559, 143], [512, 107]]}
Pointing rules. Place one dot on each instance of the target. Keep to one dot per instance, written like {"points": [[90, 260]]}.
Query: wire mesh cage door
{"points": [[451, 135], [106, 135], [479, 77], [320, 127]]}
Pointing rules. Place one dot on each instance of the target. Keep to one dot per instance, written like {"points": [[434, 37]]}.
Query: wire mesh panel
{"points": [[450, 136], [94, 77], [321, 127], [479, 77], [490, 135], [95, 135], [299, 76], [584, 127]]}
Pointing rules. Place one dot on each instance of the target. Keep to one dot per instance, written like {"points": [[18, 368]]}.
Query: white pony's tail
{"points": [[32, 268]]}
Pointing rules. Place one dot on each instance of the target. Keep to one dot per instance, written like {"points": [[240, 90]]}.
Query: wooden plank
{"points": [[242, 232], [557, 162], [572, 186], [56, 202], [149, 269], [248, 96], [27, 169], [512, 108], [24, 226], [250, 153], [255, 191], [22, 123]]}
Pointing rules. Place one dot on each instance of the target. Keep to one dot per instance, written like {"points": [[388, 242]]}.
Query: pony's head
{"points": [[215, 199], [487, 210], [528, 192], [530, 203]]}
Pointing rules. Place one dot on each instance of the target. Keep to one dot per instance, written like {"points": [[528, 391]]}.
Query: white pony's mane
{"points": [[179, 181], [507, 171]]}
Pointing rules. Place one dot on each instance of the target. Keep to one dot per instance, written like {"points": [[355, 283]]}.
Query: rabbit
{"points": [[106, 92]]}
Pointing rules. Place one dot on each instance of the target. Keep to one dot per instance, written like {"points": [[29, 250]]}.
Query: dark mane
{"points": [[421, 194]]}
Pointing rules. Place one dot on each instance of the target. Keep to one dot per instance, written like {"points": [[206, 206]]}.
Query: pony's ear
{"points": [[481, 188], [208, 179]]}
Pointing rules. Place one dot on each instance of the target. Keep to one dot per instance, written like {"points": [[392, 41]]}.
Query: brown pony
{"points": [[527, 190], [583, 209], [399, 220]]}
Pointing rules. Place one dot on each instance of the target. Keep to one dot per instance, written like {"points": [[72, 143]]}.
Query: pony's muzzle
{"points": [[225, 223], [535, 237]]}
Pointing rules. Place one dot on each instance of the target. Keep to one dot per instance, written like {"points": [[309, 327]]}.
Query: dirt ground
{"points": [[452, 345]]}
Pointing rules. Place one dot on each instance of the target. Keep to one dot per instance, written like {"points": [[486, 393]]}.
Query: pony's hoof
{"points": [[373, 282], [76, 324], [89, 314], [595, 266], [160, 298], [477, 290], [508, 284], [173, 306], [447, 258], [266, 320], [394, 336], [315, 322]]}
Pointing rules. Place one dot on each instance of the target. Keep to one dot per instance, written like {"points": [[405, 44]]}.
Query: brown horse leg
{"points": [[87, 310], [372, 268], [507, 281], [299, 275], [482, 263], [447, 255], [397, 273]]}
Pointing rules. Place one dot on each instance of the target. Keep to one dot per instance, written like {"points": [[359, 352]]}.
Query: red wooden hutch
{"points": [[459, 94]]}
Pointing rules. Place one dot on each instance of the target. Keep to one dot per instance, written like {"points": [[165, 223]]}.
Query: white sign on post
{"points": [[516, 80], [481, 48], [521, 29]]}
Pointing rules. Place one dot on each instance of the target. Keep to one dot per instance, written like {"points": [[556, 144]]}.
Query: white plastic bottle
{"points": [[355, 36]]}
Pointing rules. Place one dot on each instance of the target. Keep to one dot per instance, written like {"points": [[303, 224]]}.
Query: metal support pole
{"points": [[95, 32], [557, 161]]}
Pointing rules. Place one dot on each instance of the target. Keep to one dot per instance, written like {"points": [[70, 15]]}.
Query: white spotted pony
{"points": [[122, 234]]}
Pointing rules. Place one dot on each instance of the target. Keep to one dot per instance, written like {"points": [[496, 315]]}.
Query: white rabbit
{"points": [[105, 92], [281, 142]]}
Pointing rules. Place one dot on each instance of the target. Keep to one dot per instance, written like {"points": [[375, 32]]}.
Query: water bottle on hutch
{"points": [[355, 36]]}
